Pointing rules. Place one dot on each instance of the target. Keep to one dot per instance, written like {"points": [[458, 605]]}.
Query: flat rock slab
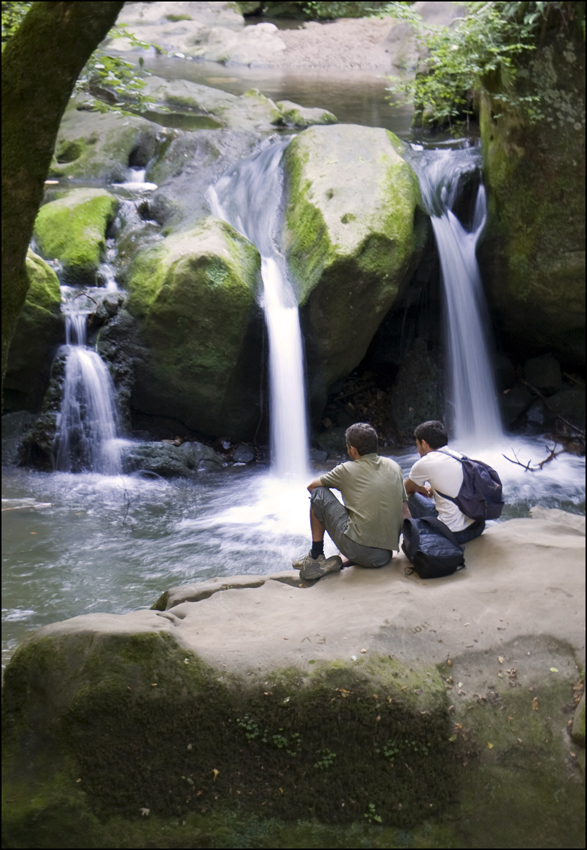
{"points": [[524, 578]]}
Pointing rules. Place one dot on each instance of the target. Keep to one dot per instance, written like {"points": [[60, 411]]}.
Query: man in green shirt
{"points": [[366, 528]]}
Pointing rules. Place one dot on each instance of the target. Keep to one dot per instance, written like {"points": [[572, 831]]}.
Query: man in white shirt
{"points": [[438, 471]]}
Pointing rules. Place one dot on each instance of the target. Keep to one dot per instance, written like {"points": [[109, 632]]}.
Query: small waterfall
{"points": [[87, 424], [249, 198], [472, 391]]}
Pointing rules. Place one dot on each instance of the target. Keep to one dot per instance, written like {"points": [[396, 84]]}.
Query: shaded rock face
{"points": [[534, 249], [193, 297], [416, 395], [96, 146], [353, 235], [169, 461], [40, 330], [73, 229]]}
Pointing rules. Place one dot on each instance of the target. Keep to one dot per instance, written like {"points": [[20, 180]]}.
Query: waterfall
{"points": [[87, 423], [249, 198], [472, 391]]}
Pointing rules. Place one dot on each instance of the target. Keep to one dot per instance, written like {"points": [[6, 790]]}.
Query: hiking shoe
{"points": [[315, 569], [300, 562]]}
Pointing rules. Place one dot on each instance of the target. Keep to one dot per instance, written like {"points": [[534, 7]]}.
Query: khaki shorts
{"points": [[329, 511]]}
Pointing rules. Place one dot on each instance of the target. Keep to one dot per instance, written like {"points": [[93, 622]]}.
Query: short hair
{"points": [[433, 432], [363, 437]]}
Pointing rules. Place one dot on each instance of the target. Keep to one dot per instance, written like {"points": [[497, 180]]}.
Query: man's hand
{"points": [[313, 484]]}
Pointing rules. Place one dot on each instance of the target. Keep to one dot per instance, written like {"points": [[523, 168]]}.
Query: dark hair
{"points": [[363, 437], [433, 432]]}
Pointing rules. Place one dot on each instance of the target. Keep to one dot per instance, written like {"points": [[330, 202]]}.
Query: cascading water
{"points": [[249, 199], [472, 391], [87, 423]]}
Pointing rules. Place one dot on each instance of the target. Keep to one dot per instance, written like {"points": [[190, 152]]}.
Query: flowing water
{"points": [[87, 425], [473, 406], [249, 198]]}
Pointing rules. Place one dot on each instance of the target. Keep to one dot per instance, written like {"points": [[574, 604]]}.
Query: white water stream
{"points": [[472, 396], [249, 198], [88, 421]]}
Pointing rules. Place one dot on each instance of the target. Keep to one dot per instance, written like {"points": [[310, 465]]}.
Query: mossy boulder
{"points": [[354, 232], [73, 230], [534, 249], [87, 700], [193, 296], [39, 331], [97, 146]]}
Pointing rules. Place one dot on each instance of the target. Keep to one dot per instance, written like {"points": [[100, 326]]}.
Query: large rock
{"points": [[73, 229], [214, 32], [534, 251], [252, 111], [251, 696], [39, 331], [169, 461], [353, 235], [97, 146], [193, 296]]}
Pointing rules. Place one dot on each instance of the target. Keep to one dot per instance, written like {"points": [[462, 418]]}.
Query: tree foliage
{"points": [[490, 39]]}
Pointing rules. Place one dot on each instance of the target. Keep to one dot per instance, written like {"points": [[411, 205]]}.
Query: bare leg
{"points": [[317, 528]]}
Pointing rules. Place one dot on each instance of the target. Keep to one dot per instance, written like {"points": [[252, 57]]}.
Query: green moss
{"points": [[175, 18], [194, 295], [70, 150], [73, 230]]}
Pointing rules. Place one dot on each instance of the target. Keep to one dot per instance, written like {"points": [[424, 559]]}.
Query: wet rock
{"points": [[318, 455], [514, 402], [416, 394], [14, 426], [170, 461], [544, 373], [570, 404], [39, 332], [353, 236], [193, 298], [73, 229], [244, 454]]}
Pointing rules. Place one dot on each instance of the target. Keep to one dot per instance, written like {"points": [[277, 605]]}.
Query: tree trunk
{"points": [[40, 66]]}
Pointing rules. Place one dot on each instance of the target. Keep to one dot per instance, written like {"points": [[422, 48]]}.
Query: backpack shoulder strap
{"points": [[442, 528]]}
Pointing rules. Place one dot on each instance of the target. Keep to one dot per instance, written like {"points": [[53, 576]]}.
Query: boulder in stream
{"points": [[73, 229], [193, 296], [39, 331], [354, 232]]}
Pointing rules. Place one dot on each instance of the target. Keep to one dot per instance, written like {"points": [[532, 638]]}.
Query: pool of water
{"points": [[84, 543]]}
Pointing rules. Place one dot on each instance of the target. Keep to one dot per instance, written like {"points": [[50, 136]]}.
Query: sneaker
{"points": [[315, 569], [299, 562]]}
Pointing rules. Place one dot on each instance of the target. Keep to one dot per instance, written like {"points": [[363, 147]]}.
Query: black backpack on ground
{"points": [[480, 496], [431, 548]]}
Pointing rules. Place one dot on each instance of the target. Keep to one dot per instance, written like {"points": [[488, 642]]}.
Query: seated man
{"points": [[439, 468], [366, 528]]}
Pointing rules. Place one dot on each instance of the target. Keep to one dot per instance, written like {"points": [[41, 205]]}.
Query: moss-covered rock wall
{"points": [[534, 248]]}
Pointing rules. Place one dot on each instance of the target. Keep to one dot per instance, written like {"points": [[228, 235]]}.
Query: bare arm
{"points": [[315, 483], [412, 487]]}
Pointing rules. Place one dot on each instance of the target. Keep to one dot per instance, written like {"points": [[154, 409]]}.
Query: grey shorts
{"points": [[332, 514]]}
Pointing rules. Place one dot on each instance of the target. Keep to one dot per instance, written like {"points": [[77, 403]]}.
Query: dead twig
{"points": [[87, 296], [527, 467]]}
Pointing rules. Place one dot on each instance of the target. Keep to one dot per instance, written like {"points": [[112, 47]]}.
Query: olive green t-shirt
{"points": [[373, 490]]}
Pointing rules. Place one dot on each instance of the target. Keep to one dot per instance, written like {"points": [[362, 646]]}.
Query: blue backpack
{"points": [[431, 548], [480, 496]]}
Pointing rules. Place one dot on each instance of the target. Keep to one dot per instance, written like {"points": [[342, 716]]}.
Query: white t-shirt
{"points": [[443, 472]]}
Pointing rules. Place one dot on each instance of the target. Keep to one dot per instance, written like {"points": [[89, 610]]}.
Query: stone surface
{"points": [[389, 693], [169, 461], [73, 229], [544, 373], [97, 146], [534, 246], [353, 235], [193, 297], [40, 330]]}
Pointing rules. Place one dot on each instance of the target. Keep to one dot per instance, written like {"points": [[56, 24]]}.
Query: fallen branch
{"points": [[558, 416], [527, 466], [87, 296]]}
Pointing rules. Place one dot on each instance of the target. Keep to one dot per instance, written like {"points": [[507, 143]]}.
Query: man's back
{"points": [[373, 492], [444, 472]]}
